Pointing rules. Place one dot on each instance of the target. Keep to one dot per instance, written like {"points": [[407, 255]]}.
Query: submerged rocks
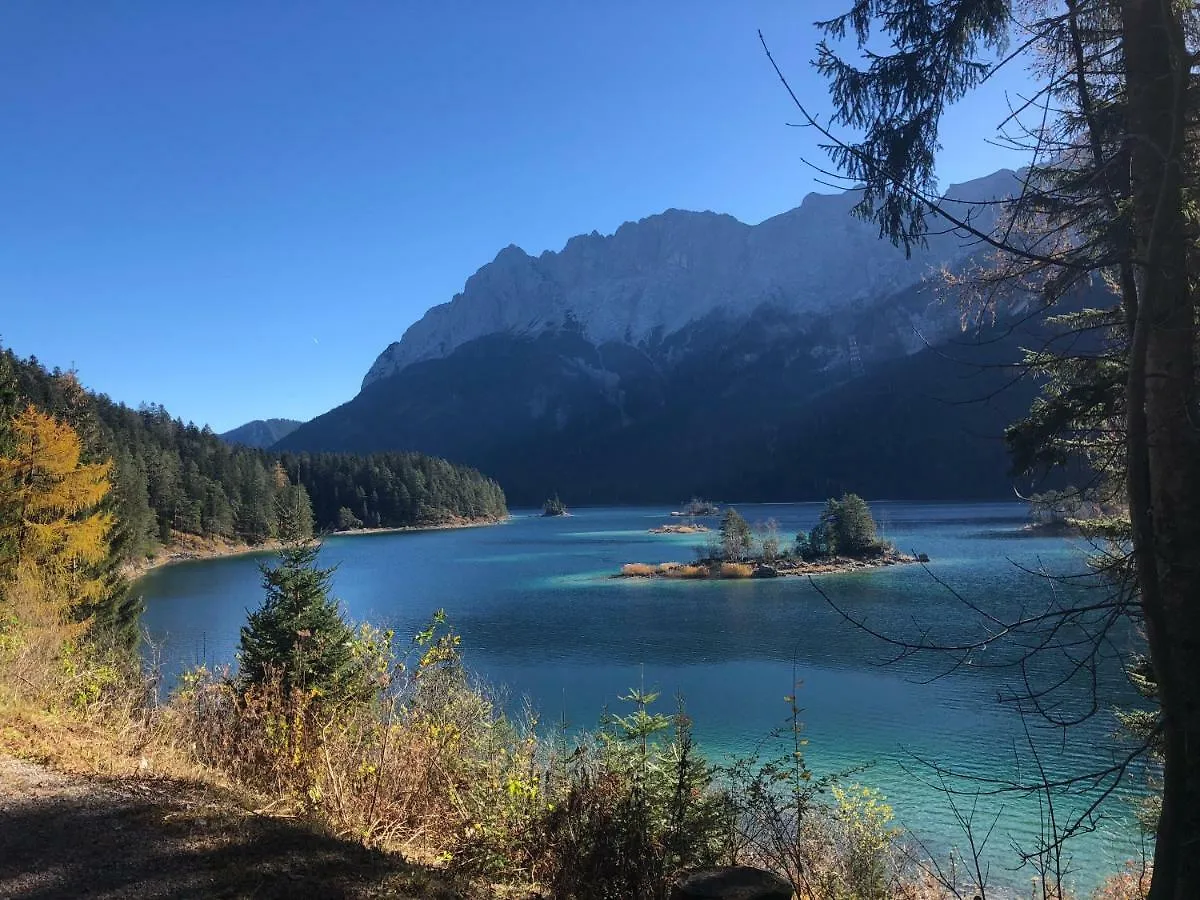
{"points": [[671, 528]]}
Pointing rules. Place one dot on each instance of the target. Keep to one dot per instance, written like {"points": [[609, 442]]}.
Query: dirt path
{"points": [[73, 836]]}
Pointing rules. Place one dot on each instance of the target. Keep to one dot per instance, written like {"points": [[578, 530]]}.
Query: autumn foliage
{"points": [[50, 524], [54, 555]]}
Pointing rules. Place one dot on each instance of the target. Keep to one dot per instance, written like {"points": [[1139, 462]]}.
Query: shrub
{"points": [[689, 572], [1131, 883], [667, 568], [781, 819], [636, 807], [429, 755], [736, 570]]}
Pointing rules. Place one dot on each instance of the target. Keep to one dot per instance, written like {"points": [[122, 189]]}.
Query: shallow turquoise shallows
{"points": [[541, 615]]}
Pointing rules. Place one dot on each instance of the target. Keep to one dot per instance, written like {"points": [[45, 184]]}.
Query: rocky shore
{"points": [[190, 548], [760, 568]]}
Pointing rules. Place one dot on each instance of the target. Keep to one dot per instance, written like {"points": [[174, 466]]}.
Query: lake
{"points": [[540, 614]]}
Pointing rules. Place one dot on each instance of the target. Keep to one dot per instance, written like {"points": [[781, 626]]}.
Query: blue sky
{"points": [[232, 207]]}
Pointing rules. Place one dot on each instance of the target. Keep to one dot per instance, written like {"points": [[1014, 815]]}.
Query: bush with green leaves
{"points": [[632, 809]]}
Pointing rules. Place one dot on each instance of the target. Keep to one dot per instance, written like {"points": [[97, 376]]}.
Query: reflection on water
{"points": [[539, 612]]}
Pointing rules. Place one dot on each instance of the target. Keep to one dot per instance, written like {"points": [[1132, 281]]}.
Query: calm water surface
{"points": [[540, 614]]}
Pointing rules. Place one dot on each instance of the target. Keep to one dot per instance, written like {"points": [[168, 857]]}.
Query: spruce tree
{"points": [[1108, 198], [846, 527], [298, 634], [855, 526]]}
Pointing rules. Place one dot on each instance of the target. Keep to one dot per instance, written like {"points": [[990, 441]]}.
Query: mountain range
{"points": [[690, 353], [261, 433]]}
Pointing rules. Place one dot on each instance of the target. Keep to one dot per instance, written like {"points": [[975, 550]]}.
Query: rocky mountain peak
{"points": [[656, 276]]}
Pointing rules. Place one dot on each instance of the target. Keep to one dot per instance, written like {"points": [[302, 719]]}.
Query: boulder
{"points": [[731, 883], [764, 571]]}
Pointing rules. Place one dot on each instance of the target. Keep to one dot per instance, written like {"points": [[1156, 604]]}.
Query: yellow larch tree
{"points": [[51, 528]]}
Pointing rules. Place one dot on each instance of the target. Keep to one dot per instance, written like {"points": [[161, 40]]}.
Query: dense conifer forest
{"points": [[174, 478]]}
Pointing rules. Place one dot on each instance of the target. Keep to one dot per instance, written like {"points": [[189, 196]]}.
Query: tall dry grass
{"points": [[736, 570]]}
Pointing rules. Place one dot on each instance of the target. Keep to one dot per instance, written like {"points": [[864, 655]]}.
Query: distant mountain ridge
{"points": [[261, 433], [652, 278], [689, 353]]}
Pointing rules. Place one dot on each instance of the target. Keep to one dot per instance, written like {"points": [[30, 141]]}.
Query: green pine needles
{"points": [[846, 528], [298, 634]]}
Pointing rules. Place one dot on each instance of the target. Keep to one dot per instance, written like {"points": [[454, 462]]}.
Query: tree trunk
{"points": [[1164, 427]]}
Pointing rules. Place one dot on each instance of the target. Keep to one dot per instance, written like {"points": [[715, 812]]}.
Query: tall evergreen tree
{"points": [[1115, 204], [298, 634]]}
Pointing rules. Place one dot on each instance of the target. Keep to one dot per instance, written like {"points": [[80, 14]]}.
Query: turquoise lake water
{"points": [[540, 614]]}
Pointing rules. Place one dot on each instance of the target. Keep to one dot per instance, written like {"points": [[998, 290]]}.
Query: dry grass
{"points": [[681, 570], [736, 570], [64, 704], [1131, 883], [637, 570]]}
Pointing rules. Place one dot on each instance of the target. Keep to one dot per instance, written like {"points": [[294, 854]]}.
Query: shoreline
{"points": [[197, 549], [708, 570]]}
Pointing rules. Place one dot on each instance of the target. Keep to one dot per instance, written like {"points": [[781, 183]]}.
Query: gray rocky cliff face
{"points": [[655, 277]]}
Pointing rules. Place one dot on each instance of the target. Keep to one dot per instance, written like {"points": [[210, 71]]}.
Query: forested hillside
{"points": [[174, 478]]}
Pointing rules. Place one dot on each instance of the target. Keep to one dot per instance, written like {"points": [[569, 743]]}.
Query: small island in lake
{"points": [[554, 507], [680, 528], [843, 540], [697, 507]]}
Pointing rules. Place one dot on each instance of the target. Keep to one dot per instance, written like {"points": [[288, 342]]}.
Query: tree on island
{"points": [[735, 535], [769, 540], [845, 528], [347, 520], [554, 507], [298, 634]]}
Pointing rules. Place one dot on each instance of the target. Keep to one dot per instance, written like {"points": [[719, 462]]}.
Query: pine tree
{"points": [[8, 399], [1115, 205], [845, 527], [298, 634], [293, 513], [855, 526], [136, 528]]}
